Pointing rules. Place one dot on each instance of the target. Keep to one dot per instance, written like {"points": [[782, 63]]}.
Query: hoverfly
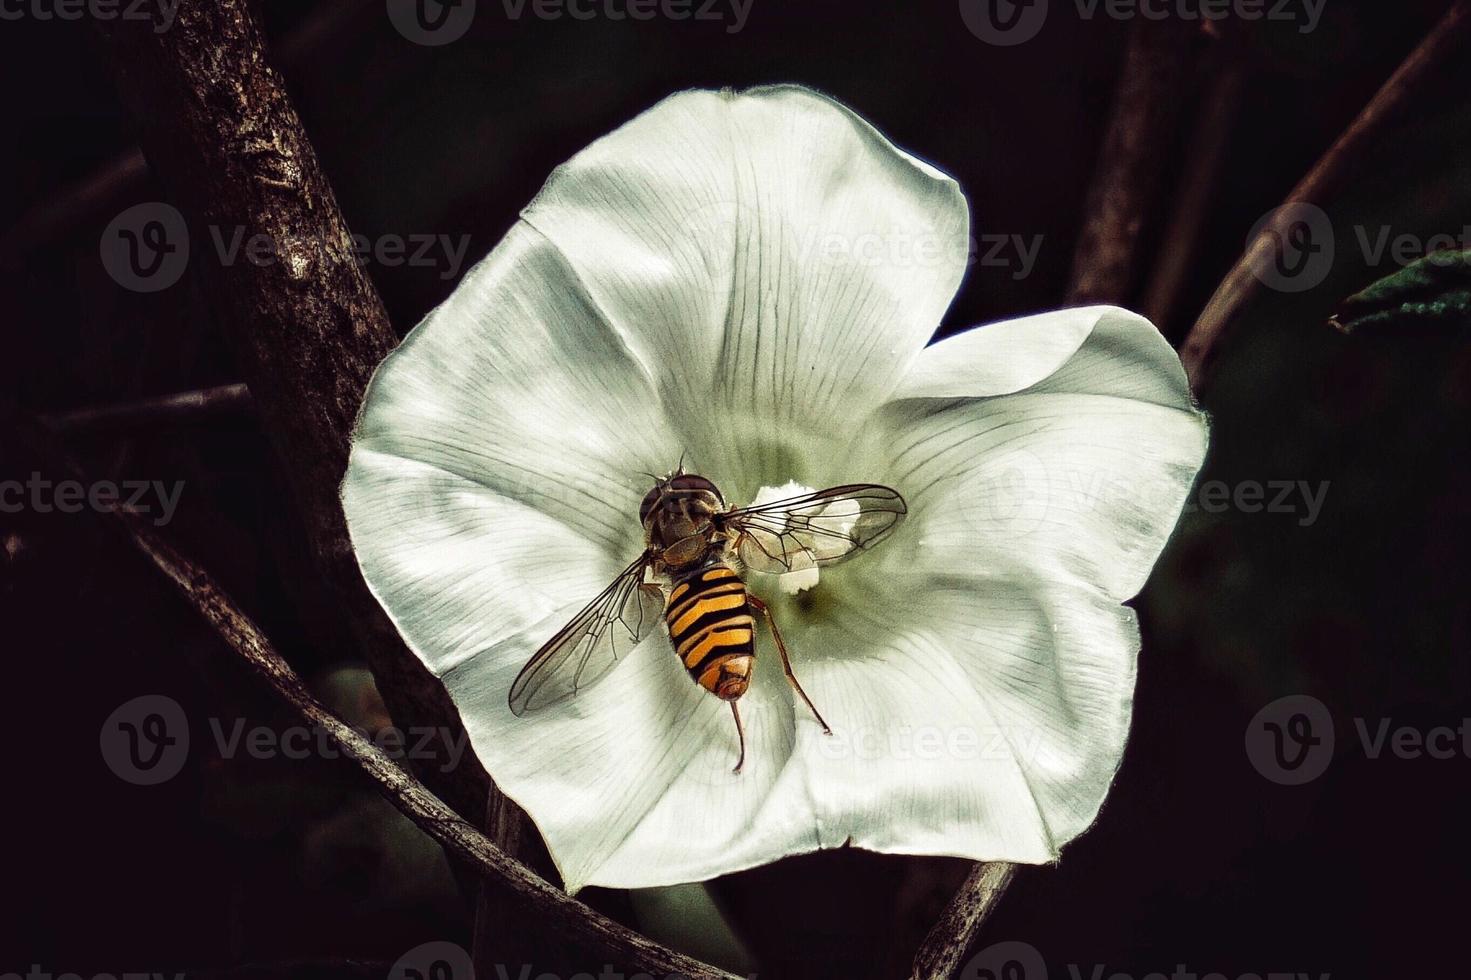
{"points": [[694, 545]]}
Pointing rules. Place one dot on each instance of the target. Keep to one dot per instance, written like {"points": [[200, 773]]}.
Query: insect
{"points": [[694, 544]]}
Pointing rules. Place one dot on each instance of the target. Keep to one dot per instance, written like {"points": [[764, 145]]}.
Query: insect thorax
{"points": [[678, 516]]}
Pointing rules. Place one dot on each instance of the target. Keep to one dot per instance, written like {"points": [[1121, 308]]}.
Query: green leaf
{"points": [[1433, 293]]}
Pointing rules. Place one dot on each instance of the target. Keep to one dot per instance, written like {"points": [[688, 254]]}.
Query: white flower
{"points": [[749, 281]]}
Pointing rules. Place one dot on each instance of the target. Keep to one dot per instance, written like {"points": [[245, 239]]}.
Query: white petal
{"points": [[589, 769], [493, 489], [999, 358], [770, 257], [984, 718], [971, 717], [459, 567], [1079, 478], [517, 384]]}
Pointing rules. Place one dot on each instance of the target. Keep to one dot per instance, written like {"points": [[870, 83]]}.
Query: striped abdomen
{"points": [[713, 631]]}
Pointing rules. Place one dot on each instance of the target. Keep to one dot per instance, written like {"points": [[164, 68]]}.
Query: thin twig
{"points": [[1131, 162], [940, 954], [55, 218], [180, 407], [588, 929], [1199, 185], [1326, 177]]}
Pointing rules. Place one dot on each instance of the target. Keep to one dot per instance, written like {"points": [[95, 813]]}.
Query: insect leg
{"points": [[786, 662], [741, 734]]}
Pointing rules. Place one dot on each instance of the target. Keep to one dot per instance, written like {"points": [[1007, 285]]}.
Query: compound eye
{"points": [[690, 482], [646, 509]]}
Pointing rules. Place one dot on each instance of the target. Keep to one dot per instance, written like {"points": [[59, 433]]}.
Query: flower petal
{"points": [[1079, 478], [990, 727], [999, 358], [492, 490], [517, 384], [768, 255], [971, 716]]}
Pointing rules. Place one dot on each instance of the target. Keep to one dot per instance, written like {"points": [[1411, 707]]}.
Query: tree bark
{"points": [[305, 324], [1126, 184]]}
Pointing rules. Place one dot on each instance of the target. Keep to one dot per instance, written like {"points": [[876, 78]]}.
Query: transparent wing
{"points": [[815, 529], [591, 643]]}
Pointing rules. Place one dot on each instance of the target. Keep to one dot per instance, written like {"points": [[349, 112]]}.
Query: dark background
{"points": [[1197, 859]]}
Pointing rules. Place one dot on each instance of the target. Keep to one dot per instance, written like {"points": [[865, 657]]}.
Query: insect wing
{"points": [[591, 643], [815, 529]]}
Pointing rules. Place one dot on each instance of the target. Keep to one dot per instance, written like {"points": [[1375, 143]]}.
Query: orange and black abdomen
{"points": [[713, 631]]}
